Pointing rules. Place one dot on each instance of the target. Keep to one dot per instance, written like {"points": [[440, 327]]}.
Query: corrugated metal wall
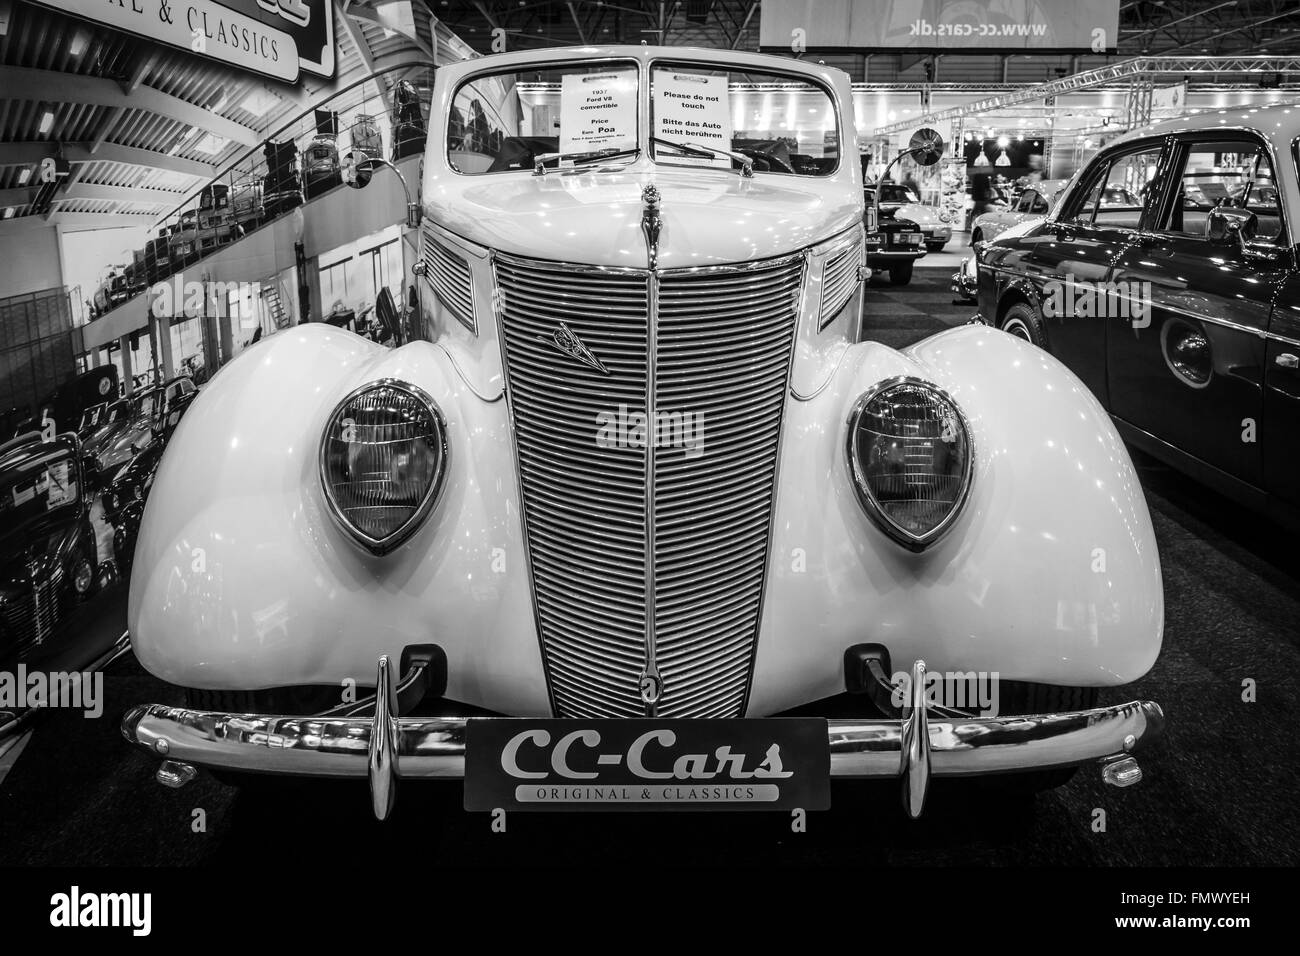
{"points": [[36, 352]]}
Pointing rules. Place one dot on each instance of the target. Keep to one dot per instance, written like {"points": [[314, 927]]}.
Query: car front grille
{"points": [[30, 616], [719, 349]]}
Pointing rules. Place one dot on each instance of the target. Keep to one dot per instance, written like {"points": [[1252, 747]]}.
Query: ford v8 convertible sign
{"points": [[637, 508]]}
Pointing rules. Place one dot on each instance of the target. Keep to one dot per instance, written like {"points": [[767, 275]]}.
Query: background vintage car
{"points": [[1034, 202], [901, 201], [1188, 226]]}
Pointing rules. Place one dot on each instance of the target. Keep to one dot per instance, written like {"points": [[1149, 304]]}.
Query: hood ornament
{"points": [[567, 341], [651, 222]]}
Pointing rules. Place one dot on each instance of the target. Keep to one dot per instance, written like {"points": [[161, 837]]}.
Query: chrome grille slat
{"points": [[723, 343]]}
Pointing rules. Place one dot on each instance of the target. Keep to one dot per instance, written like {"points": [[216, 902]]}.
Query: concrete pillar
{"points": [[162, 329], [128, 377]]}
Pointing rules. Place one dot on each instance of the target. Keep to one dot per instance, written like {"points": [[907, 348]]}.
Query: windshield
{"points": [[507, 121], [44, 483], [587, 115], [784, 125], [899, 194]]}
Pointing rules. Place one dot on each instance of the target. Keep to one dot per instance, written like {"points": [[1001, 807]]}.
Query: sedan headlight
{"points": [[945, 217], [383, 458], [910, 455]]}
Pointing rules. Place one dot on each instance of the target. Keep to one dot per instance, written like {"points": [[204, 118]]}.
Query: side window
{"points": [[1126, 189], [1022, 204], [1037, 204], [1084, 203], [1234, 173]]}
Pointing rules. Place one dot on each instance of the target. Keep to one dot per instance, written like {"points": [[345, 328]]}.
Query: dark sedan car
{"points": [[893, 245], [1167, 279], [48, 556]]}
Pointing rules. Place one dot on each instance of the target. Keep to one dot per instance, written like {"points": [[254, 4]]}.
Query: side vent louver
{"points": [[839, 281], [449, 274]]}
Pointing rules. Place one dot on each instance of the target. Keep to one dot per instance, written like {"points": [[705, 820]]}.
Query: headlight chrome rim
{"points": [[867, 498], [398, 537]]}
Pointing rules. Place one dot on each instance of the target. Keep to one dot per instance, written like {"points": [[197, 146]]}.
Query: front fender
{"points": [[1050, 574], [241, 580]]}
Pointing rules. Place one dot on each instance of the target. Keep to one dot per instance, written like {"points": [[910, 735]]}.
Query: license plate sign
{"points": [[773, 763]]}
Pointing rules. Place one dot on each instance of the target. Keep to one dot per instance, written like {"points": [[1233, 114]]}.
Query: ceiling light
{"points": [[25, 175], [260, 101], [47, 122], [9, 213], [78, 44]]}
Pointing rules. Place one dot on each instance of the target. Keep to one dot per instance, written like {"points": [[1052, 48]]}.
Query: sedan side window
{"points": [[1230, 173], [1085, 208], [1126, 189], [1037, 204]]}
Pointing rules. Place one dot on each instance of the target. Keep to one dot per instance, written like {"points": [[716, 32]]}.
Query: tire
{"points": [[1020, 698], [935, 246], [1023, 321], [976, 238], [900, 273]]}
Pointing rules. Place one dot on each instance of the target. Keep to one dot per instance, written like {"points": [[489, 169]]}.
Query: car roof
{"points": [[18, 452], [1277, 122]]}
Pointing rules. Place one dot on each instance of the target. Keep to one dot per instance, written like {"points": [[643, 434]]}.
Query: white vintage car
{"points": [[901, 202], [639, 510], [1032, 205]]}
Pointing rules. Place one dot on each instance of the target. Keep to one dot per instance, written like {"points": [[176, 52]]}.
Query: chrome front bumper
{"points": [[385, 747]]}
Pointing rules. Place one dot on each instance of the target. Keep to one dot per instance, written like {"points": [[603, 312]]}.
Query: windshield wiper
{"points": [[708, 152], [591, 156]]}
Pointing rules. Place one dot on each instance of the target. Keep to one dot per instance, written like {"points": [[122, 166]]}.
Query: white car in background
{"points": [[902, 202], [1033, 204]]}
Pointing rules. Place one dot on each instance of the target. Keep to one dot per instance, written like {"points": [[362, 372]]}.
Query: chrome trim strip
{"points": [[839, 360], [776, 484], [493, 256], [865, 496], [1273, 336], [431, 495], [434, 748], [460, 372], [651, 683]]}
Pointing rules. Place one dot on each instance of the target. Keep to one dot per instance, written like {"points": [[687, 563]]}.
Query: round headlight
{"points": [[382, 461], [910, 455], [945, 217]]}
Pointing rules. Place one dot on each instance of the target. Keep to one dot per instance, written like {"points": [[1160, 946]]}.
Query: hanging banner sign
{"points": [[693, 110], [274, 38], [597, 111], [309, 22]]}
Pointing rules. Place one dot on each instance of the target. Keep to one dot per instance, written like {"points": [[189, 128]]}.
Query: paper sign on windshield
{"points": [[693, 110], [597, 111]]}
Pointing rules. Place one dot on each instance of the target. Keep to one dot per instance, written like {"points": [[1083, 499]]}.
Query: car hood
{"points": [[925, 215], [708, 217]]}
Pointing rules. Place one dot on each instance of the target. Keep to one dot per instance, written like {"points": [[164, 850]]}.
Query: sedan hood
{"points": [[709, 217]]}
